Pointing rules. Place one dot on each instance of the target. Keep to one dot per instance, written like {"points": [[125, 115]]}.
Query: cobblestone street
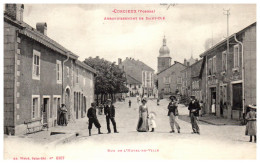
{"points": [[215, 142]]}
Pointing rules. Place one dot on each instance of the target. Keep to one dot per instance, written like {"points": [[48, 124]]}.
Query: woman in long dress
{"points": [[251, 123], [142, 125]]}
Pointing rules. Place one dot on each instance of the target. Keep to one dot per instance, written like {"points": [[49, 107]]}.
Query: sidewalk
{"points": [[55, 135], [214, 120]]}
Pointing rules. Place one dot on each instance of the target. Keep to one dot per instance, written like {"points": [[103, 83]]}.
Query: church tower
{"points": [[164, 59]]}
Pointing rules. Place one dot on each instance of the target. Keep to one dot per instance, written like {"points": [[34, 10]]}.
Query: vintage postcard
{"points": [[153, 81]]}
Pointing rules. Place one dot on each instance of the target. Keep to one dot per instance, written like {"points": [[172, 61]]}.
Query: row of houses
{"points": [[224, 79], [40, 75], [140, 77]]}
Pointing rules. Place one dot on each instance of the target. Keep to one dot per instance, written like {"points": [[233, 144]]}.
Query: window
{"points": [[214, 69], [58, 72], [179, 80], [210, 67], [167, 90], [68, 72], [236, 56], [36, 65], [84, 81], [167, 80], [77, 75], [224, 61], [35, 106]]}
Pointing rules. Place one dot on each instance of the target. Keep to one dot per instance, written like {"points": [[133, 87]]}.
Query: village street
{"points": [[215, 142]]}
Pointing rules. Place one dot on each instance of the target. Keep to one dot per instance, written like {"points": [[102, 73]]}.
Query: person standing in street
{"points": [[92, 116], [251, 122], [194, 108], [63, 115], [110, 115], [172, 113], [129, 103], [142, 125]]}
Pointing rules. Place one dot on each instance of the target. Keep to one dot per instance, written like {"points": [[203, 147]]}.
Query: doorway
{"points": [[213, 100], [46, 107], [237, 99]]}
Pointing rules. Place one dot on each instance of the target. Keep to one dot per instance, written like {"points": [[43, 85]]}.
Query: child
{"points": [[152, 121]]}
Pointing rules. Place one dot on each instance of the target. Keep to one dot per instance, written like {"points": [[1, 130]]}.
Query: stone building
{"points": [[195, 80], [186, 81], [229, 77], [170, 80], [168, 75], [140, 77], [39, 75]]}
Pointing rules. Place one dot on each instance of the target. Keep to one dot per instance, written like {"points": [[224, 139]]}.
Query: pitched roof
{"points": [[225, 40], [175, 62], [132, 80], [221, 43], [32, 33], [195, 68], [85, 66], [139, 63]]}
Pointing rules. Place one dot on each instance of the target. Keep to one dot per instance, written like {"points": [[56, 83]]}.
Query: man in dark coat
{"points": [[110, 115], [93, 118], [194, 108]]}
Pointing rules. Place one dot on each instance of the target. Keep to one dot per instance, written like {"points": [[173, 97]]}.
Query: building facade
{"points": [[186, 81], [170, 80], [39, 75], [230, 76], [196, 81], [137, 72]]}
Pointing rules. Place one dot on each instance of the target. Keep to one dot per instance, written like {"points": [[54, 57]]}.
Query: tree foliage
{"points": [[110, 79]]}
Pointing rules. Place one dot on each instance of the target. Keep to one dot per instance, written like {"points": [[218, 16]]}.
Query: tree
{"points": [[110, 78]]}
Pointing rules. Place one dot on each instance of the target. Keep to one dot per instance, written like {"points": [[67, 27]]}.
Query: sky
{"points": [[187, 27]]}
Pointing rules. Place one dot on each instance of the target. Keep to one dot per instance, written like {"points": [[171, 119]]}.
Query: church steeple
{"points": [[164, 41], [164, 59]]}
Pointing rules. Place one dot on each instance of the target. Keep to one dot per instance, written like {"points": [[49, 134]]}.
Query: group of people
{"points": [[109, 111], [147, 120]]}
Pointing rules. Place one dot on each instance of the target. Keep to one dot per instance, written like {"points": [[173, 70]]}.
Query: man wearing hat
{"points": [[93, 119], [194, 108], [110, 115], [172, 113]]}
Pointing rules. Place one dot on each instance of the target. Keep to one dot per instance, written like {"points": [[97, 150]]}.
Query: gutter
{"points": [[243, 71], [62, 91]]}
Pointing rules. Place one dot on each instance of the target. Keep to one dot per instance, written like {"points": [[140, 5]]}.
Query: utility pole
{"points": [[227, 13]]}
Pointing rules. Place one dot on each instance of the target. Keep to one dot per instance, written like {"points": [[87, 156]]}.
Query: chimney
{"points": [[15, 11], [175, 62], [196, 60], [42, 27], [188, 63], [185, 62], [119, 61]]}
